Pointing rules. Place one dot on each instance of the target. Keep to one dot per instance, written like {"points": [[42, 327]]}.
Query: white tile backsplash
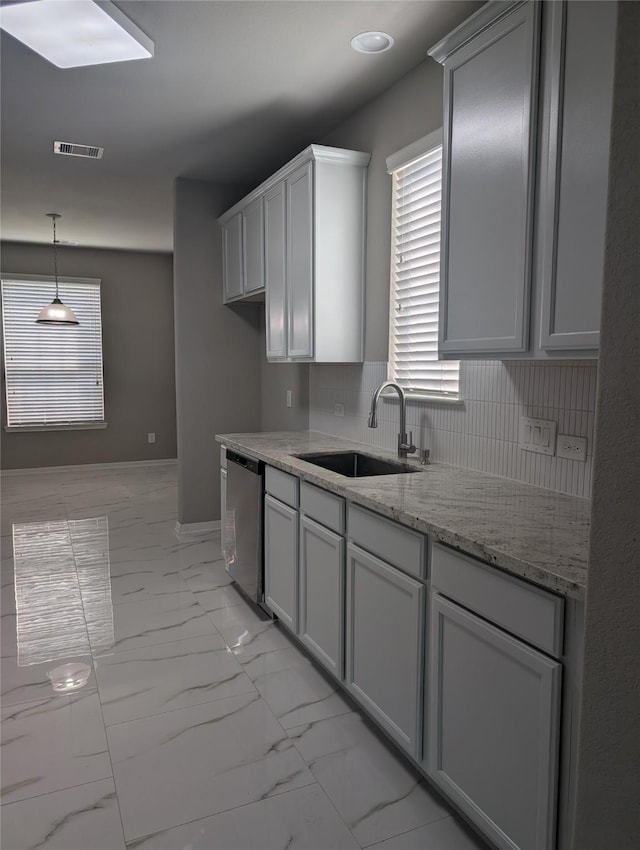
{"points": [[482, 432]]}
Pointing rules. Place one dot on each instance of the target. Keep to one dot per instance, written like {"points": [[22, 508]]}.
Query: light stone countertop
{"points": [[538, 534]]}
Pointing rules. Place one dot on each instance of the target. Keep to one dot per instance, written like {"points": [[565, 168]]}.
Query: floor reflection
{"points": [[63, 595]]}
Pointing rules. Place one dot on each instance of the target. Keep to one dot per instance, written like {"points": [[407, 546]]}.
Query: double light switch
{"points": [[537, 435]]}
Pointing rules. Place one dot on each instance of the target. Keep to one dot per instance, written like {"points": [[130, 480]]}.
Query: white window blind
{"points": [[53, 373], [415, 275]]}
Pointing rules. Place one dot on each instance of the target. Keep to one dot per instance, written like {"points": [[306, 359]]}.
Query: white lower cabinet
{"points": [[384, 645], [281, 560], [321, 620], [493, 728], [473, 698]]}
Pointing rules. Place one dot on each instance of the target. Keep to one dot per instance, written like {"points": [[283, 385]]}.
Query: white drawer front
{"points": [[397, 545], [526, 611], [283, 486], [326, 508]]}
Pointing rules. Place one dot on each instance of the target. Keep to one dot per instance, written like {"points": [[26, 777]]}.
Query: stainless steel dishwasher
{"points": [[243, 530]]}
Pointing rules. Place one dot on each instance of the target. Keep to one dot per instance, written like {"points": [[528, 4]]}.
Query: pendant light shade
{"points": [[56, 313]]}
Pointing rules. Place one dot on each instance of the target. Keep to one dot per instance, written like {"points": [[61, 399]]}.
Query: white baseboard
{"points": [[87, 467], [197, 529]]}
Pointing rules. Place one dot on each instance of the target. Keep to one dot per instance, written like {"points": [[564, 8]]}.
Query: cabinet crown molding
{"points": [[316, 153], [485, 17]]}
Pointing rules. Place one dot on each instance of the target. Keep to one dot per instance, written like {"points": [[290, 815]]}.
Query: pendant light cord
{"points": [[55, 254]]}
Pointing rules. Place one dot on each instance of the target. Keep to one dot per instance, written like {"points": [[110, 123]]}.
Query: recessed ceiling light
{"points": [[372, 42], [73, 33]]}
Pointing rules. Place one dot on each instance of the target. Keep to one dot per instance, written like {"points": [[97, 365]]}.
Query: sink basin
{"points": [[356, 464]]}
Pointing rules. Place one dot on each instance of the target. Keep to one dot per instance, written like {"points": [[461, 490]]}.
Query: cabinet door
{"points": [[490, 101], [232, 257], [300, 262], [579, 98], [494, 716], [253, 245], [275, 272], [281, 560], [321, 622], [384, 640]]}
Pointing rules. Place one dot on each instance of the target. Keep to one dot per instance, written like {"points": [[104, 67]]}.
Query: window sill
{"points": [[425, 397], [74, 426]]}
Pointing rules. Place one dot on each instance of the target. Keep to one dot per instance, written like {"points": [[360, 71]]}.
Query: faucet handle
{"points": [[405, 444]]}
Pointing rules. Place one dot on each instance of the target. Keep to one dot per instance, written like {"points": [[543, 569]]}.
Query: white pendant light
{"points": [[56, 313]]}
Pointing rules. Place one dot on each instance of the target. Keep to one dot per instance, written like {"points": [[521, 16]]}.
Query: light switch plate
{"points": [[537, 435], [338, 409]]}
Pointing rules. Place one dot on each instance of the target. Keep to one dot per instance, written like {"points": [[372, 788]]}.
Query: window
{"points": [[415, 272], [53, 374]]}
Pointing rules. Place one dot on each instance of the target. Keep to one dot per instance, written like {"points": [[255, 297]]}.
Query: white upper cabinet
{"points": [[527, 107], [253, 246], [275, 266], [299, 242], [578, 99], [243, 251], [232, 257], [490, 119], [314, 241]]}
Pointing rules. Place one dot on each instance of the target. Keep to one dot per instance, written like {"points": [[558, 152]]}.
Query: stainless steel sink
{"points": [[356, 464]]}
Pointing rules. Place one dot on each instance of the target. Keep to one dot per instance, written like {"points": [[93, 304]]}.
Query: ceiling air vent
{"points": [[70, 149]]}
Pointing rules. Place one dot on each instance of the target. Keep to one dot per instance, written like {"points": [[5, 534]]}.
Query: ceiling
{"points": [[235, 90]]}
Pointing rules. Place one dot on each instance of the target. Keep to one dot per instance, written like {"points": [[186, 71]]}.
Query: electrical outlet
{"points": [[537, 435], [574, 448], [289, 398], [338, 409], [151, 437]]}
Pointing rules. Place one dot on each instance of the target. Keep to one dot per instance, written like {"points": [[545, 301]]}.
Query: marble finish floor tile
{"points": [[36, 681], [128, 552], [449, 833], [167, 676], [143, 584], [159, 620], [8, 637], [194, 762], [141, 565], [298, 820], [222, 597], [247, 633], [377, 794], [52, 744], [190, 554], [7, 586], [82, 818], [294, 689], [210, 575]]}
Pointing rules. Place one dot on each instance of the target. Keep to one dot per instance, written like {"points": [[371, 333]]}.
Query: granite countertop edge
{"points": [[560, 565]]}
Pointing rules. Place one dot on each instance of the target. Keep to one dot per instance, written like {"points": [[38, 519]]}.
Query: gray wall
{"points": [[608, 814], [217, 350], [138, 354]]}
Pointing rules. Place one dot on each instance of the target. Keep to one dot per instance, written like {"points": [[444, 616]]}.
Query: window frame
{"points": [[402, 158], [78, 425]]}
